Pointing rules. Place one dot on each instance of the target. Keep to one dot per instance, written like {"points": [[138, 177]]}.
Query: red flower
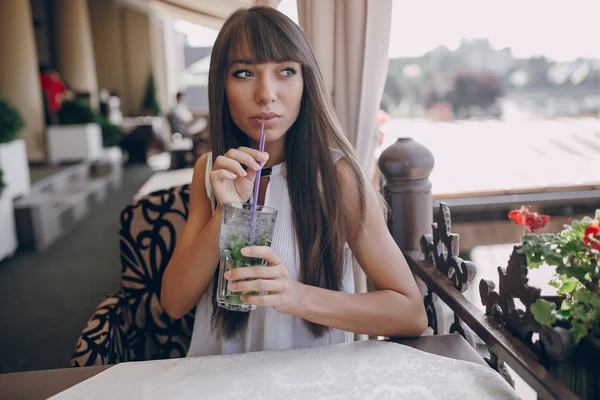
{"points": [[535, 221], [532, 221], [519, 215], [592, 236]]}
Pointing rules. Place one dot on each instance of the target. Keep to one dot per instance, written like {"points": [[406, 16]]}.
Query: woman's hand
{"points": [[284, 292], [228, 179]]}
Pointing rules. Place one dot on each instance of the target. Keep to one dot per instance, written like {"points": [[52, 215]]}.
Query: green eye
{"points": [[288, 72], [243, 73]]}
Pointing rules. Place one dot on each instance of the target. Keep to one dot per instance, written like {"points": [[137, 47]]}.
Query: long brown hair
{"points": [[314, 190]]}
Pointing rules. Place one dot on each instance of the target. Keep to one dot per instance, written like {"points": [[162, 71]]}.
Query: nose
{"points": [[266, 91]]}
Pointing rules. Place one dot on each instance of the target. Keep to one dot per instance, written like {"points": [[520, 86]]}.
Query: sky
{"points": [[561, 30]]}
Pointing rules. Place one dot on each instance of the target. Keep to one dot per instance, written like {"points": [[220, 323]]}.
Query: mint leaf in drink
{"points": [[234, 299], [236, 244]]}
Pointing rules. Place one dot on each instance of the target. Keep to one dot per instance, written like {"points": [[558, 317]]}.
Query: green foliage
{"points": [[11, 122], [577, 280], [149, 104], [543, 311], [236, 244], [238, 260], [75, 112], [111, 134]]}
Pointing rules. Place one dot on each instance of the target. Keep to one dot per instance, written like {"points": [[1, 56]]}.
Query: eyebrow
{"points": [[253, 62]]}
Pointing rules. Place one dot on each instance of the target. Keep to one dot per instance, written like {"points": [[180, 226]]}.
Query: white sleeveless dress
{"points": [[268, 329]]}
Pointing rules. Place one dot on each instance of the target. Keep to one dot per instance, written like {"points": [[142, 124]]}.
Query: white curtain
{"points": [[350, 39], [270, 3]]}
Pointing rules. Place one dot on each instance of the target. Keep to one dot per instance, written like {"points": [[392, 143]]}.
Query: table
{"points": [[43, 384], [139, 133], [180, 149], [128, 124], [165, 180]]}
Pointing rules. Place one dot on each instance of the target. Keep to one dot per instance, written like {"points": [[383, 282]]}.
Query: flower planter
{"points": [[8, 235], [14, 164], [580, 372], [567, 323], [67, 143]]}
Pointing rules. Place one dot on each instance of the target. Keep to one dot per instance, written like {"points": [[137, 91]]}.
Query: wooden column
{"points": [[73, 41], [19, 74], [405, 167]]}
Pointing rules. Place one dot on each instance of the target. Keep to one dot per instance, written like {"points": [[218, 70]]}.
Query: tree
{"points": [[392, 92], [475, 89]]}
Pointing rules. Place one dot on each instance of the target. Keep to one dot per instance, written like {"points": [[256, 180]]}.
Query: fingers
{"points": [[264, 252], [262, 300], [229, 164], [247, 156], [233, 160], [255, 154], [223, 174], [253, 273], [257, 285]]}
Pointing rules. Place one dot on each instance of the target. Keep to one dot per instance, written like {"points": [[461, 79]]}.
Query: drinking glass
{"points": [[238, 232]]}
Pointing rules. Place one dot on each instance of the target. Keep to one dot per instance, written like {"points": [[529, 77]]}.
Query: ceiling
{"points": [[210, 13]]}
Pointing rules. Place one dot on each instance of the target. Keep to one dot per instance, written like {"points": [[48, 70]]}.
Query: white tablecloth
{"points": [[360, 370], [130, 123]]}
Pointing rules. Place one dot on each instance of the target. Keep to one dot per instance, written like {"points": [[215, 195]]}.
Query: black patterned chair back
{"points": [[149, 231]]}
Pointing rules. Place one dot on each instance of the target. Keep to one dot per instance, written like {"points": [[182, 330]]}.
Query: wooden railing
{"points": [[543, 357]]}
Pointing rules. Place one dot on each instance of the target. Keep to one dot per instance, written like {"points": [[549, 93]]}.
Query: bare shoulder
{"points": [[355, 194], [345, 171], [348, 180], [350, 193], [200, 207], [200, 166]]}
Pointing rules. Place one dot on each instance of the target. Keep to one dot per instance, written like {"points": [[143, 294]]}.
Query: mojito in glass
{"points": [[237, 232]]}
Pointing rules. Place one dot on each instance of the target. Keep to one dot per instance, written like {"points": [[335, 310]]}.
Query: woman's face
{"points": [[268, 93]]}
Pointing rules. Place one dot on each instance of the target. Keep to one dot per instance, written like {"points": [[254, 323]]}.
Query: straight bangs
{"points": [[257, 40]]}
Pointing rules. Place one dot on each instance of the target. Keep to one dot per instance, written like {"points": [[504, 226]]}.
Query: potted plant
{"points": [[78, 137], [150, 106], [111, 134], [575, 252], [13, 152], [8, 236]]}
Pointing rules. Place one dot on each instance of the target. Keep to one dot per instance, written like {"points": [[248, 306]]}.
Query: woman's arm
{"points": [[196, 254], [396, 307]]}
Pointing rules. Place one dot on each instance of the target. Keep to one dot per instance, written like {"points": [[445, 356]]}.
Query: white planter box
{"points": [[8, 234], [14, 164], [113, 157], [74, 142]]}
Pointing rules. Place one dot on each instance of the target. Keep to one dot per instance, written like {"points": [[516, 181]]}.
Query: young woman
{"points": [[263, 71]]}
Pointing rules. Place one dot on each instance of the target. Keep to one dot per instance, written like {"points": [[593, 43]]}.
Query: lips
{"points": [[266, 118]]}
